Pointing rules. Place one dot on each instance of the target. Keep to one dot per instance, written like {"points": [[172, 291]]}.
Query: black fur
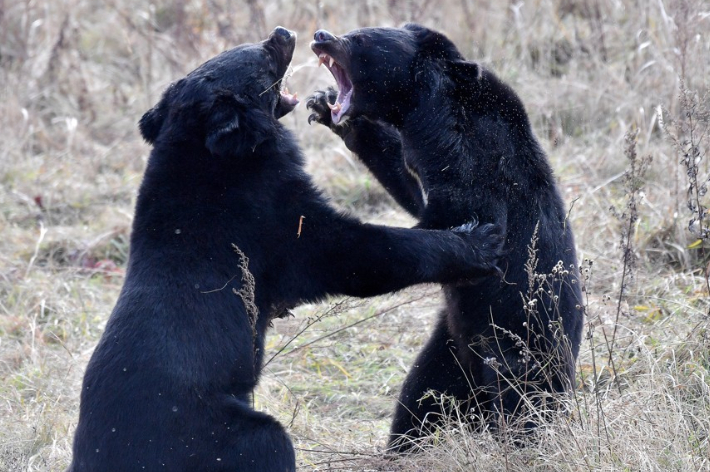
{"points": [[168, 387], [451, 142]]}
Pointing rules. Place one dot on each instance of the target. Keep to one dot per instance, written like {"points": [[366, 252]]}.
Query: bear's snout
{"points": [[322, 36], [281, 31]]}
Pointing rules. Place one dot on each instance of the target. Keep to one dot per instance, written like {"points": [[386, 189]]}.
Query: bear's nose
{"points": [[281, 31], [322, 36]]}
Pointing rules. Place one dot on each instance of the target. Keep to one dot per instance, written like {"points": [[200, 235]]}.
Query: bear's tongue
{"points": [[345, 88], [342, 104]]}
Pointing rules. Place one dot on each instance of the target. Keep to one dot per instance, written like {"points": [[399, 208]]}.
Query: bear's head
{"points": [[380, 72], [231, 102]]}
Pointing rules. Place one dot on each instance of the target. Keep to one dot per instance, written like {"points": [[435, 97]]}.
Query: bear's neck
{"points": [[189, 188], [461, 146], [480, 123]]}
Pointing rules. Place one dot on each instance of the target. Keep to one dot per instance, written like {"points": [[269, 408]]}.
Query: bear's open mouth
{"points": [[289, 100], [281, 44], [345, 87]]}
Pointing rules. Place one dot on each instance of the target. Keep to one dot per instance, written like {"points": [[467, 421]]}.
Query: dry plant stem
{"points": [[691, 132], [247, 294], [530, 267], [332, 310], [632, 187], [580, 448], [335, 309], [297, 406], [601, 417], [697, 188]]}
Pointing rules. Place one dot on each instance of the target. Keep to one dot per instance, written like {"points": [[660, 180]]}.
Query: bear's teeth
{"points": [[335, 108], [324, 58]]}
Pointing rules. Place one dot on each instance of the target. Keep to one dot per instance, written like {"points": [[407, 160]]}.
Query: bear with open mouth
{"points": [[230, 233], [451, 143]]}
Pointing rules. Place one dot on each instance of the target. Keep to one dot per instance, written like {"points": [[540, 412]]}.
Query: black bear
{"points": [[452, 143], [229, 233]]}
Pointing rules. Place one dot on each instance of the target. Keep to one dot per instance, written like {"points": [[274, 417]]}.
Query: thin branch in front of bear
{"points": [[336, 309], [531, 262], [221, 288], [333, 310], [246, 293], [287, 74], [540, 354]]}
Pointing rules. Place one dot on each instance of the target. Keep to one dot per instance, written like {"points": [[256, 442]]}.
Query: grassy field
{"points": [[76, 75]]}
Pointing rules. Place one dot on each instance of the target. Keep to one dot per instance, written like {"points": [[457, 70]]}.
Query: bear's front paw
{"points": [[319, 103], [487, 243]]}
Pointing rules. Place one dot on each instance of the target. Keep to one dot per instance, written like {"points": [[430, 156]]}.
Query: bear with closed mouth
{"points": [[451, 142], [229, 233]]}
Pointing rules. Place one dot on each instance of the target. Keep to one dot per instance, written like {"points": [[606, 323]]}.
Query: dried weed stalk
{"points": [[540, 361], [544, 350], [593, 384], [633, 185], [690, 137], [246, 293]]}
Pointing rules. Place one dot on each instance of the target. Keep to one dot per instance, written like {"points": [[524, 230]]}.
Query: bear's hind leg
{"points": [[252, 440], [437, 369]]}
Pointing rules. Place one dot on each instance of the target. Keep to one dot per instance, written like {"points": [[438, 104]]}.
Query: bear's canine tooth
{"points": [[331, 62]]}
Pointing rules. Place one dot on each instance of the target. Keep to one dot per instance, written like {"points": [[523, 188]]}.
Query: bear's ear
{"points": [[432, 44], [464, 70], [152, 121], [233, 127]]}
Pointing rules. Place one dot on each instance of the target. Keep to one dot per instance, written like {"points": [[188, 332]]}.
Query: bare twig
{"points": [[632, 187], [335, 308]]}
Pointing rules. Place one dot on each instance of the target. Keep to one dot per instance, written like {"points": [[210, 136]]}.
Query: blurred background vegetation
{"points": [[617, 91]]}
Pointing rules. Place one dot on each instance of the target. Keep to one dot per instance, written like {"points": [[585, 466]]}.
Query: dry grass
{"points": [[76, 77]]}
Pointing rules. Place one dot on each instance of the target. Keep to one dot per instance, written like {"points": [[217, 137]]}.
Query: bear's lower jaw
{"points": [[339, 110], [345, 87], [288, 99]]}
